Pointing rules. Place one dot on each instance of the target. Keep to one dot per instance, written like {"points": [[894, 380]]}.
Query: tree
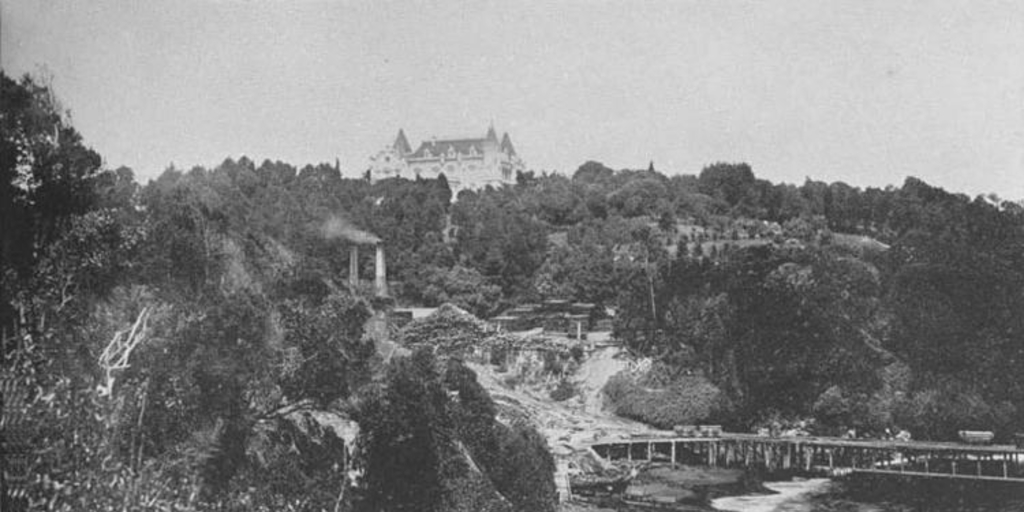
{"points": [[499, 239], [407, 436], [325, 357], [730, 182], [527, 475], [461, 286], [46, 178], [515, 458]]}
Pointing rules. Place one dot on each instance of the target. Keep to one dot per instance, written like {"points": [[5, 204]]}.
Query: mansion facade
{"points": [[465, 163]]}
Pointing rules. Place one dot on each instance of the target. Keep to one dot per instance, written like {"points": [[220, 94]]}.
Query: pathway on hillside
{"points": [[574, 423]]}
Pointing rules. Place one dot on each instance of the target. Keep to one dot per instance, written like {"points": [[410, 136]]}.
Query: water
{"points": [[824, 495], [687, 489]]}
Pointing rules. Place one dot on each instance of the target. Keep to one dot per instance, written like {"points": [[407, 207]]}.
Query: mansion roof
{"points": [[465, 147], [452, 148], [402, 144]]}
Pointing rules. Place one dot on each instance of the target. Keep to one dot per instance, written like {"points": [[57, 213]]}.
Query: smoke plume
{"points": [[339, 227]]}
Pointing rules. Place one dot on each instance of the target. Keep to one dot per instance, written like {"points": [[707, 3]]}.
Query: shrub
{"points": [[512, 381], [833, 408], [564, 391], [687, 400], [553, 363], [577, 353], [499, 354]]}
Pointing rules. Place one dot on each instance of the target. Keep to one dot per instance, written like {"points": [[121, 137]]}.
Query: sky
{"points": [[866, 92]]}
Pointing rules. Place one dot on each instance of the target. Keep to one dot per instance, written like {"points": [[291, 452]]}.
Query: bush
{"points": [[553, 363], [564, 391], [499, 354], [687, 400], [833, 408], [512, 381], [577, 353]]}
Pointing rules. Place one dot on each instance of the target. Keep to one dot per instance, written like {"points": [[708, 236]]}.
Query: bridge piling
{"points": [[918, 459]]}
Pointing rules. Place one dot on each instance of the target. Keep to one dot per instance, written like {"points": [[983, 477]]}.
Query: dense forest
{"points": [[192, 344], [159, 338]]}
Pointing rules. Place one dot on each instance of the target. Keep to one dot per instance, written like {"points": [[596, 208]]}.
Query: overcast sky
{"points": [[865, 92]]}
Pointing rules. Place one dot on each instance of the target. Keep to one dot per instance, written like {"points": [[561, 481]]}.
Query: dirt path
{"points": [[595, 371], [570, 424]]}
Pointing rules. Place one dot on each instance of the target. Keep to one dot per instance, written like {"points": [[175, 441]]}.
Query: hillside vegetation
{"points": [[180, 343]]}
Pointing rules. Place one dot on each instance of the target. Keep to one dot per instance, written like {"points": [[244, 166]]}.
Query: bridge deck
{"points": [[1003, 463], [877, 444], [987, 478]]}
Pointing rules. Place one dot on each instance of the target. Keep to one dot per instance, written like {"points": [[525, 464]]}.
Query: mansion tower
{"points": [[465, 163]]}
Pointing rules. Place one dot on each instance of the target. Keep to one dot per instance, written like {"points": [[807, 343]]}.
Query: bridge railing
{"points": [[825, 455]]}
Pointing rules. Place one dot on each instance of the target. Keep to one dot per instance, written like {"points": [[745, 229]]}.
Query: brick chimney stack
{"points": [[381, 274], [353, 266]]}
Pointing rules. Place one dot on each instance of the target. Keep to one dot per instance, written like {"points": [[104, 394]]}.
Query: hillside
{"points": [[567, 424], [173, 344]]}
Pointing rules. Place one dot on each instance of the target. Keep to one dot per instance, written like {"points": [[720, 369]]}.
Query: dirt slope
{"points": [[573, 423]]}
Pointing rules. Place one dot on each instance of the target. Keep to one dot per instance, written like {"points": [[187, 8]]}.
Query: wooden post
{"points": [[673, 453], [1005, 474], [831, 465], [649, 454], [629, 452], [954, 466], [926, 459]]}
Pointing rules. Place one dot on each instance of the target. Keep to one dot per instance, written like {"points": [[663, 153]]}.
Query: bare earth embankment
{"points": [[571, 425]]}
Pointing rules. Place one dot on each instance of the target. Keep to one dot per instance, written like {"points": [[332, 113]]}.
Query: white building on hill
{"points": [[466, 163]]}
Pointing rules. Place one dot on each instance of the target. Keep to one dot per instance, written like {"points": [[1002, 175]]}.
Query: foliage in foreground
{"points": [[451, 454]]}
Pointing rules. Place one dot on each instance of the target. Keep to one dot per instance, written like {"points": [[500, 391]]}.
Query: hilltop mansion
{"points": [[466, 163]]}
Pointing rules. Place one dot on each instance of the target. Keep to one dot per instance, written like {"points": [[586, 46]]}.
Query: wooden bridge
{"points": [[833, 456]]}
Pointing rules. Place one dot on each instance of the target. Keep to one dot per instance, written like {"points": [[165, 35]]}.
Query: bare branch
{"points": [[117, 353]]}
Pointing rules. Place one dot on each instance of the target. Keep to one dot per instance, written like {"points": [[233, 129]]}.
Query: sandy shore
{"points": [[684, 488], [789, 497]]}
